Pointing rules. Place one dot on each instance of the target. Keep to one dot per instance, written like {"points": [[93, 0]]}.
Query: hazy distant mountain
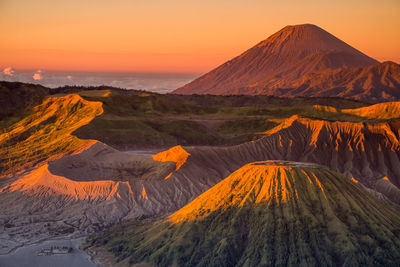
{"points": [[300, 60], [154, 82]]}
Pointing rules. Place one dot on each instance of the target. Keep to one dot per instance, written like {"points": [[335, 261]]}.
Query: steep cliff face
{"points": [[270, 213]]}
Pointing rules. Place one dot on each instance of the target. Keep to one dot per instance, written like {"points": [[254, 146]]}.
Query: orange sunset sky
{"points": [[176, 35]]}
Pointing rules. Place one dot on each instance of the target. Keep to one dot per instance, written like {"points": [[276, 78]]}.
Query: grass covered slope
{"points": [[268, 214], [133, 119], [389, 110], [46, 132]]}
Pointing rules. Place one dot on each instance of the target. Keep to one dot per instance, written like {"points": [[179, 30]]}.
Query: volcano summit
{"points": [[302, 60]]}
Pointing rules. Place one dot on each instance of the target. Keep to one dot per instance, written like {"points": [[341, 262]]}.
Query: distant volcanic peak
{"points": [[280, 62], [259, 182], [306, 39]]}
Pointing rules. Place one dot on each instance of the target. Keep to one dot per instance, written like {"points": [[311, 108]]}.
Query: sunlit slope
{"points": [[270, 182], [42, 184], [390, 110], [381, 111], [269, 214], [175, 154], [94, 188], [366, 152], [46, 132]]}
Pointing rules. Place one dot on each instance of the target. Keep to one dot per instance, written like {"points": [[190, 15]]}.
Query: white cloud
{"points": [[9, 71], [38, 75]]}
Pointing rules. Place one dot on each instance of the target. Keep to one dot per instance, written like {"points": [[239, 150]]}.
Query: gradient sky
{"points": [[177, 35]]}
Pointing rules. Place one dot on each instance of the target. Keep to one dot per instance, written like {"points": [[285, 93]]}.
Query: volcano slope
{"points": [[100, 186], [135, 120], [73, 187], [45, 134], [367, 152], [302, 60], [270, 213], [79, 194]]}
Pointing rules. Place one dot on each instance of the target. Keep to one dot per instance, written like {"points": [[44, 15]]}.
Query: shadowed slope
{"points": [[273, 214], [376, 83], [16, 98]]}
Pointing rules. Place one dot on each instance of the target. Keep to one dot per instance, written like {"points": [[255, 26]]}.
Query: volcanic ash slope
{"points": [[366, 152], [271, 213], [86, 191]]}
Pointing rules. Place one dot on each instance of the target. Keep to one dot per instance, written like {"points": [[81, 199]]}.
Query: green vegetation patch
{"points": [[241, 126], [254, 236], [118, 133], [17, 100], [138, 119], [131, 105]]}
